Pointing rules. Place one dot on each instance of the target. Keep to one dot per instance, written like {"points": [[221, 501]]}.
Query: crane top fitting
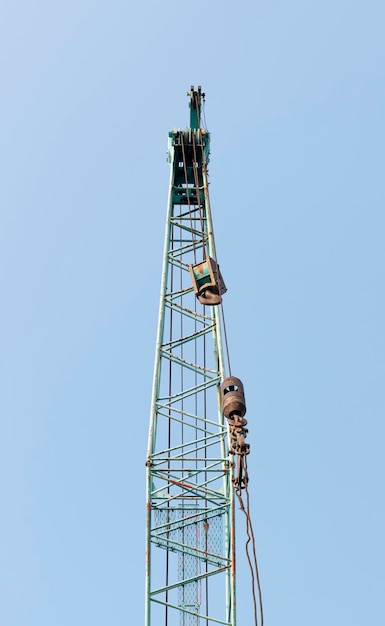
{"points": [[195, 106]]}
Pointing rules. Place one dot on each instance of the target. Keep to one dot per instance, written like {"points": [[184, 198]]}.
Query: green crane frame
{"points": [[190, 565]]}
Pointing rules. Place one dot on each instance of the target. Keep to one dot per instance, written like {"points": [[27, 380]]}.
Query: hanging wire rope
{"points": [[204, 167], [226, 341], [187, 190], [253, 546], [197, 190], [252, 561], [241, 479], [190, 163]]}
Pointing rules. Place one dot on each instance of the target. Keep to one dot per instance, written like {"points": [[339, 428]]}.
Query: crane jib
{"points": [[192, 443]]}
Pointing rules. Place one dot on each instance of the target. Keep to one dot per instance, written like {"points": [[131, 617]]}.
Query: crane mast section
{"points": [[190, 570]]}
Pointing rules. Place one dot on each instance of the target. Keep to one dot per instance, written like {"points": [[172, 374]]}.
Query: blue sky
{"points": [[294, 102]]}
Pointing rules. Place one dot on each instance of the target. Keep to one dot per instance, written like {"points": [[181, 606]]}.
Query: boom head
{"points": [[195, 106]]}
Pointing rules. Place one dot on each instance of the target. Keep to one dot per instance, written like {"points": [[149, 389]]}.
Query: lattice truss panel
{"points": [[188, 465]]}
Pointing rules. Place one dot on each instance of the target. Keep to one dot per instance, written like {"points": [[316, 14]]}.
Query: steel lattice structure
{"points": [[190, 575]]}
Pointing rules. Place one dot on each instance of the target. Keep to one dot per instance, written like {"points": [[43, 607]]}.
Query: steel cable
{"points": [[197, 191], [187, 191], [243, 479], [254, 547], [225, 335]]}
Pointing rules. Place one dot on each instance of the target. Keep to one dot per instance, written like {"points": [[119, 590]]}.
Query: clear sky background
{"points": [[295, 97]]}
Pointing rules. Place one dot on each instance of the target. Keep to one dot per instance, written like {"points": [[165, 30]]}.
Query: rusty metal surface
{"points": [[233, 397]]}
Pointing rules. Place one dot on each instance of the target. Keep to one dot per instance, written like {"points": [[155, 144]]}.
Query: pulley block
{"points": [[207, 282], [233, 398]]}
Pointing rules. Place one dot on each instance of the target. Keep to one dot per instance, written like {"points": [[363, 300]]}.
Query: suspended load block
{"points": [[234, 409], [233, 397], [207, 282]]}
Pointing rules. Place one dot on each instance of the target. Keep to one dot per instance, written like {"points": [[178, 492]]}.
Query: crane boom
{"points": [[190, 566]]}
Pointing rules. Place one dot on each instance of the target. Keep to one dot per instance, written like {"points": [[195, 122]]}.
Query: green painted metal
{"points": [[190, 566]]}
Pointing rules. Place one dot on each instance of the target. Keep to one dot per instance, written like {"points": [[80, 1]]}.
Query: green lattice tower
{"points": [[190, 569]]}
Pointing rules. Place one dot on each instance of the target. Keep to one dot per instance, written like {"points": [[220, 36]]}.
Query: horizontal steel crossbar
{"points": [[194, 613]]}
